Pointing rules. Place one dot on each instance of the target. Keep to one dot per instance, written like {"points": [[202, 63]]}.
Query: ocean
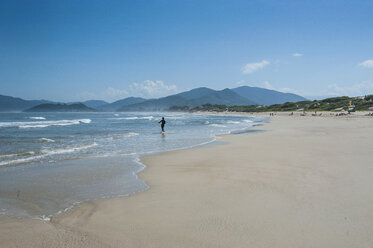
{"points": [[50, 162]]}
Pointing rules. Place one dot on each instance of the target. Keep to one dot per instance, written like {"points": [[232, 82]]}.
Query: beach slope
{"points": [[302, 182]]}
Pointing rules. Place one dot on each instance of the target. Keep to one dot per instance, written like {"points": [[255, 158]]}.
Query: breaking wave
{"points": [[33, 156], [217, 125], [42, 140], [139, 118], [41, 124], [36, 118]]}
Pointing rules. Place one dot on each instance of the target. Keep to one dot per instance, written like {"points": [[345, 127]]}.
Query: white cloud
{"points": [[146, 89], [240, 83], [251, 67], [367, 63], [358, 89], [115, 93], [268, 86], [152, 89], [297, 54]]}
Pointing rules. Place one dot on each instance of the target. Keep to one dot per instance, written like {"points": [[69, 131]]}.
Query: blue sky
{"points": [[87, 49]]}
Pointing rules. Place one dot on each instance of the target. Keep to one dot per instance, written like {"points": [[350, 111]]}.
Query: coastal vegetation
{"points": [[343, 103]]}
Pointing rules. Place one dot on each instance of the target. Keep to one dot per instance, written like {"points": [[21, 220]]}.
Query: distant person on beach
{"points": [[162, 122]]}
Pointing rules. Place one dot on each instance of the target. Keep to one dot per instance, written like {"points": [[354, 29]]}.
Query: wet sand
{"points": [[303, 182]]}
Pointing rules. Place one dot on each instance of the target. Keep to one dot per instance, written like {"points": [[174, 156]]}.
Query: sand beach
{"points": [[297, 182]]}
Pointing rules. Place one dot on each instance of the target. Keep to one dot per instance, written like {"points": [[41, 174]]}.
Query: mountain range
{"points": [[58, 107], [240, 96], [120, 103], [8, 103], [192, 98], [267, 97]]}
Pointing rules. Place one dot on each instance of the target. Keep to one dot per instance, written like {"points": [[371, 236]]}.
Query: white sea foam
{"points": [[17, 154], [130, 134], [85, 121], [233, 122], [43, 153], [248, 121], [124, 135], [119, 118], [137, 118], [20, 160], [8, 156], [48, 152], [175, 117], [41, 124], [186, 131], [37, 126], [37, 118], [147, 117], [45, 140], [45, 218], [217, 125]]}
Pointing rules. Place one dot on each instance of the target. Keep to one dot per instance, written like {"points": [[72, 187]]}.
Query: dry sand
{"points": [[303, 182]]}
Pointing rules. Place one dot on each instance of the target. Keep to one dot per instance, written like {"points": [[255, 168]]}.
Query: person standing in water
{"points": [[162, 122]]}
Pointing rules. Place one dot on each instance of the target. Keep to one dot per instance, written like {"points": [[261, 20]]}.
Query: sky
{"points": [[75, 50]]}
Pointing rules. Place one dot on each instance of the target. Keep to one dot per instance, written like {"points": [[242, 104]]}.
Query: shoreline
{"points": [[189, 193], [136, 160]]}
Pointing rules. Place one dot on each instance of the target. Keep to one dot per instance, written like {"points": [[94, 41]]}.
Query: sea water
{"points": [[50, 162]]}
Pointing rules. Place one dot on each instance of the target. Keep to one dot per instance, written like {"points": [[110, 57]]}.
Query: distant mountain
{"points": [[95, 103], [91, 103], [120, 103], [267, 97], [160, 104], [8, 103], [196, 93], [222, 97], [241, 96], [192, 98], [50, 107]]}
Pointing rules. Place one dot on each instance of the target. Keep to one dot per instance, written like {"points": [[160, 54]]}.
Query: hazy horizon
{"points": [[148, 98], [98, 50]]}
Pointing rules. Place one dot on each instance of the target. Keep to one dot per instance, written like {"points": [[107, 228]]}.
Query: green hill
{"points": [[94, 103], [49, 107], [160, 104], [329, 104], [267, 97], [8, 103], [192, 98], [121, 103]]}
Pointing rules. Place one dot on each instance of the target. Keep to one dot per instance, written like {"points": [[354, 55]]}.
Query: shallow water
{"points": [[51, 161]]}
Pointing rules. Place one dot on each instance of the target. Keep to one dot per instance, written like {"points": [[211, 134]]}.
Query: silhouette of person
{"points": [[162, 122]]}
